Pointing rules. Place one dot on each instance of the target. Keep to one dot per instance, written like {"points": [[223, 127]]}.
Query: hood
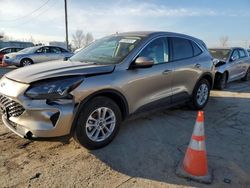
{"points": [[54, 69]]}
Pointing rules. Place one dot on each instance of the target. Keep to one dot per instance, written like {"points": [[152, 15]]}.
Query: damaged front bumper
{"points": [[34, 118]]}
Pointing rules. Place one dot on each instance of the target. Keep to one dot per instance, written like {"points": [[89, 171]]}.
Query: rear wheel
{"points": [[200, 95], [97, 123], [247, 75], [222, 82], [26, 62]]}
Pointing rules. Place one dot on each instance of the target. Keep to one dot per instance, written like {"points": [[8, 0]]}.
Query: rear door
{"points": [[56, 53], [243, 63], [187, 59], [41, 55], [234, 65]]}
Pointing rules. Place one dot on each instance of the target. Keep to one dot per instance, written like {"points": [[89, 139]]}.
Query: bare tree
{"points": [[224, 41], [89, 38], [78, 39], [32, 39]]}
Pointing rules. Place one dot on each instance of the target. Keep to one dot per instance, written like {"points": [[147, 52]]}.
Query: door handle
{"points": [[197, 65], [166, 71]]}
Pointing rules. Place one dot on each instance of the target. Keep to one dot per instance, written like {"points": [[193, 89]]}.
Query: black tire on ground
{"points": [[80, 131], [222, 82], [194, 104], [247, 75], [26, 62]]}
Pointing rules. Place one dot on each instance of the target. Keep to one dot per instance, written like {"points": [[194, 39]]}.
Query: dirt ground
{"points": [[144, 154]]}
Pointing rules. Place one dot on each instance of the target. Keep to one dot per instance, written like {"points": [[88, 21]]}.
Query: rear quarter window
{"points": [[63, 50], [196, 48]]}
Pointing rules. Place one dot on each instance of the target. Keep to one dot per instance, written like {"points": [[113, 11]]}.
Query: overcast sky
{"points": [[208, 20]]}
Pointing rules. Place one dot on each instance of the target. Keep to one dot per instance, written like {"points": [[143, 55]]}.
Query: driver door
{"points": [[151, 87]]}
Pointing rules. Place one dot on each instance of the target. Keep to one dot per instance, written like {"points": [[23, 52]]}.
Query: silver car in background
{"points": [[231, 64], [37, 54]]}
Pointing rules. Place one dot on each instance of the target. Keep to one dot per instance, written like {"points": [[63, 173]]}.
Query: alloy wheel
{"points": [[202, 94], [100, 124], [26, 63]]}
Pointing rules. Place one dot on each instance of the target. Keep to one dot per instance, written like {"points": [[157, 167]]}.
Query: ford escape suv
{"points": [[91, 93]]}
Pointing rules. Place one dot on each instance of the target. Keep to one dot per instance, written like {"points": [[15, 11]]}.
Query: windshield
{"points": [[28, 50], [221, 54], [108, 50]]}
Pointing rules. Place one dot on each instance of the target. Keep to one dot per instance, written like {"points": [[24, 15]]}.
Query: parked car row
{"points": [[37, 54], [114, 77]]}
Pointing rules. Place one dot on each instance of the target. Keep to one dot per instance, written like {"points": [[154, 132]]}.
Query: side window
{"points": [[182, 48], [6, 51], [235, 54], [242, 53], [40, 50], [18, 49], [46, 50], [63, 50], [196, 48], [156, 50], [55, 50]]}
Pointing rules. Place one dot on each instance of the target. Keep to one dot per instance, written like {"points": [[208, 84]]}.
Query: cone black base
{"points": [[208, 179]]}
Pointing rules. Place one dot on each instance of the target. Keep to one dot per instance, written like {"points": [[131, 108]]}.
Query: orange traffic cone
{"points": [[194, 165]]}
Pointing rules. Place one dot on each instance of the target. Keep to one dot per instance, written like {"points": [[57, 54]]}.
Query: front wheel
{"points": [[26, 62], [200, 95], [98, 123]]}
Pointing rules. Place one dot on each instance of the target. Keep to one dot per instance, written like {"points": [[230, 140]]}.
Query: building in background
{"points": [[18, 44]]}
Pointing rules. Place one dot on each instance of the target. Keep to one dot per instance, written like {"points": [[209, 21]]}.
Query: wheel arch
{"points": [[209, 77], [115, 95]]}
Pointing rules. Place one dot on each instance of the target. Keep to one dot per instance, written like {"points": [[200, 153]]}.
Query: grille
{"points": [[10, 107]]}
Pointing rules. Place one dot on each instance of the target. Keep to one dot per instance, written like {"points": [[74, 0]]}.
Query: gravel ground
{"points": [[145, 153]]}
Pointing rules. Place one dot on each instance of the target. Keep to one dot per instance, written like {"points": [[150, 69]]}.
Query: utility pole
{"points": [[66, 23]]}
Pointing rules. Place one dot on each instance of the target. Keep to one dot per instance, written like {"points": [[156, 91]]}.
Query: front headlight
{"points": [[57, 88]]}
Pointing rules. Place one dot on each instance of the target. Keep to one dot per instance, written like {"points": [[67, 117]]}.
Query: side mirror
{"points": [[216, 61], [143, 62], [233, 58]]}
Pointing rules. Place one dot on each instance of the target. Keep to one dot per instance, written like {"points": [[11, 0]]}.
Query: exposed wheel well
{"points": [[218, 76]]}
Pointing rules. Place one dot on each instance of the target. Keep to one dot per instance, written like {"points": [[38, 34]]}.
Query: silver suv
{"points": [[91, 93]]}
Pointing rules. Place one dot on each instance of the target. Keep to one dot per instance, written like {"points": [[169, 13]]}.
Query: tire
{"points": [[200, 95], [247, 75], [222, 82], [90, 130], [26, 62]]}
